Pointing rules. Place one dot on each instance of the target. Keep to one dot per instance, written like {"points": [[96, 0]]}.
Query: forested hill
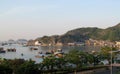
{"points": [[111, 33], [82, 34]]}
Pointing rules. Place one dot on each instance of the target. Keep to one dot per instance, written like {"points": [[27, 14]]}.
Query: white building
{"points": [[117, 44], [37, 43]]}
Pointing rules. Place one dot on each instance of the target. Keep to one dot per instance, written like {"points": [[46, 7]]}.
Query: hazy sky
{"points": [[34, 18]]}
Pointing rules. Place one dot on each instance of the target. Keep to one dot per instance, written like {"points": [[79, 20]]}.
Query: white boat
{"points": [[59, 53], [34, 48], [55, 53]]}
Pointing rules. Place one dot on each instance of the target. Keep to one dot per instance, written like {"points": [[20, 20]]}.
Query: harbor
{"points": [[35, 52]]}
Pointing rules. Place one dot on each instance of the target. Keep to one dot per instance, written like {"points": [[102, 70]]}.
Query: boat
{"points": [[48, 53], [34, 48], [59, 53], [2, 50], [11, 50], [40, 56], [55, 53], [22, 54]]}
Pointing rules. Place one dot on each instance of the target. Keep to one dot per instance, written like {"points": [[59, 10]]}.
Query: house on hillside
{"points": [[117, 43], [71, 44]]}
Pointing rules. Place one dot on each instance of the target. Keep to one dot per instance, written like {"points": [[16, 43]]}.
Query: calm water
{"points": [[30, 54]]}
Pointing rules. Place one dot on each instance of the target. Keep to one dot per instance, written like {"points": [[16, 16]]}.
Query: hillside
{"points": [[112, 33], [82, 34]]}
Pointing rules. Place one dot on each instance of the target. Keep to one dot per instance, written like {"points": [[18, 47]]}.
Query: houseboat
{"points": [[11, 50], [2, 50]]}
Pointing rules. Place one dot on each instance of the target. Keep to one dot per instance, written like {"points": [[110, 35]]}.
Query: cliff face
{"points": [[31, 42], [46, 40], [82, 34]]}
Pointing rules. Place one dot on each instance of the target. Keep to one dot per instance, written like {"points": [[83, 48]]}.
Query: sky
{"points": [[30, 19]]}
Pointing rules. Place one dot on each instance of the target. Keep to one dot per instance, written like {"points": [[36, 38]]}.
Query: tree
{"points": [[49, 62], [29, 67], [74, 57], [5, 69], [107, 52]]}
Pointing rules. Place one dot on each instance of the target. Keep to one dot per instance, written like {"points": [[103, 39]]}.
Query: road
{"points": [[101, 71]]}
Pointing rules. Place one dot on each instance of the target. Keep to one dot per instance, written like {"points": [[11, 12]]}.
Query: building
{"points": [[117, 43], [38, 43], [71, 44]]}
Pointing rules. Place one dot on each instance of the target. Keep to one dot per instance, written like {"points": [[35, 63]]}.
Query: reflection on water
{"points": [[26, 53]]}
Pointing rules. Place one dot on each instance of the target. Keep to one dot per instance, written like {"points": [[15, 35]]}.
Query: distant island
{"points": [[80, 35]]}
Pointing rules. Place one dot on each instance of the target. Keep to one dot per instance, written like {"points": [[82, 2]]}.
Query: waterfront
{"points": [[30, 54]]}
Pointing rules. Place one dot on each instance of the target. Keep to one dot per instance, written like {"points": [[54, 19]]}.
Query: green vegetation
{"points": [[111, 33]]}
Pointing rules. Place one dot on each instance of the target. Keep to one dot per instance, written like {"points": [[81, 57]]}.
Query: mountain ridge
{"points": [[85, 33]]}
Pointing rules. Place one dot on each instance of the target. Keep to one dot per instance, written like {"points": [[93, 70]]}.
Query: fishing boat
{"points": [[40, 55], [11, 50], [59, 53], [34, 48], [2, 50]]}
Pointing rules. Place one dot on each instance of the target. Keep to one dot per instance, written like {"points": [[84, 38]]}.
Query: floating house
{"points": [[11, 50], [2, 50]]}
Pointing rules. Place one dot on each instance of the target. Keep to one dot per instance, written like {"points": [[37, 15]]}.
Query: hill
{"points": [[82, 34]]}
